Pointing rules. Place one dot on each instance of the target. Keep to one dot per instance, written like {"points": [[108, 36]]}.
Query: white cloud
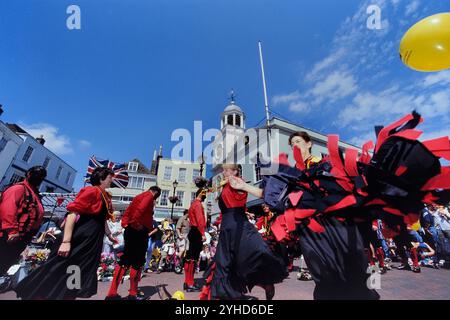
{"points": [[84, 144], [329, 61], [412, 7], [383, 106], [299, 106], [58, 143], [336, 86], [440, 78], [285, 98], [360, 139]]}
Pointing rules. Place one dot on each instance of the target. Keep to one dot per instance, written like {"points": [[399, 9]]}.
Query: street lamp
{"points": [[174, 198], [202, 160]]}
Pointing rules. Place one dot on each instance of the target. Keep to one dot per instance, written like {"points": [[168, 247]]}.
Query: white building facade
{"points": [[32, 152]]}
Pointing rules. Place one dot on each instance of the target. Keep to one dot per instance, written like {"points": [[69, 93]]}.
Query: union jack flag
{"points": [[120, 179]]}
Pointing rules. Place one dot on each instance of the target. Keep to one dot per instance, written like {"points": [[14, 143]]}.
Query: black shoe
{"points": [[137, 297], [191, 289], [115, 297], [403, 267], [270, 292], [383, 270], [416, 269]]}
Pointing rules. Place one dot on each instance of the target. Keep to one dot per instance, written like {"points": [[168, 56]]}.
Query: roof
{"points": [[141, 167], [16, 129], [232, 107]]}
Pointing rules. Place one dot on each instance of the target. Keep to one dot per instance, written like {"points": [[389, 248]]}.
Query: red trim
{"points": [[365, 155], [304, 213], [384, 133], [315, 226], [350, 162], [295, 197], [283, 159], [409, 134], [299, 162], [346, 202], [400, 170], [440, 181]]}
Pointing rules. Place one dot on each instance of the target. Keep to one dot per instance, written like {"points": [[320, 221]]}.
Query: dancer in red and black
{"points": [[80, 248], [243, 259], [333, 250], [138, 223], [196, 237], [21, 214]]}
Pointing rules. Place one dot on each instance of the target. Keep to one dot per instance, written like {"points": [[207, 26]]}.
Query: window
{"points": [[182, 175], [230, 119], [163, 198], [49, 189], [127, 199], [46, 162], [16, 177], [193, 196], [58, 172], [27, 154], [133, 166], [238, 120], [136, 183], [3, 143], [196, 173], [167, 173], [180, 195], [258, 172], [69, 175]]}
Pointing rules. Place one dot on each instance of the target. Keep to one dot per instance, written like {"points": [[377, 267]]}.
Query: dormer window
{"points": [[133, 166]]}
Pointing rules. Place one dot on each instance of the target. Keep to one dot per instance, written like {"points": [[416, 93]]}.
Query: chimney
{"points": [[157, 160], [41, 139]]}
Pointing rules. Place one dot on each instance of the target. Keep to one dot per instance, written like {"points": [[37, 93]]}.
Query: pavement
{"points": [[430, 284]]}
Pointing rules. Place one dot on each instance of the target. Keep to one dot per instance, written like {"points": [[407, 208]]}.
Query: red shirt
{"points": [[89, 201], [140, 211], [233, 198], [12, 200], [197, 216]]}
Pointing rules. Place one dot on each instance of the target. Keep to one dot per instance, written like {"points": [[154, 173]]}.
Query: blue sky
{"points": [[139, 69]]}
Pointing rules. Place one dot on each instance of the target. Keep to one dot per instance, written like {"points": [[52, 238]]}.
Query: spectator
{"points": [[114, 229], [205, 258], [168, 242], [154, 241], [426, 254], [213, 248], [182, 231]]}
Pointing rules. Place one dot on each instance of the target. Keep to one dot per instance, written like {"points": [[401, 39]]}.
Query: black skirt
{"points": [[57, 279], [336, 260], [243, 259]]}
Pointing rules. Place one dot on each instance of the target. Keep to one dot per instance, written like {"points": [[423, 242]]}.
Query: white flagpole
{"points": [[266, 103]]}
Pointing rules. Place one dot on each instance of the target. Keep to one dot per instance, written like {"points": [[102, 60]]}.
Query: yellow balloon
{"points": [[426, 45], [179, 295]]}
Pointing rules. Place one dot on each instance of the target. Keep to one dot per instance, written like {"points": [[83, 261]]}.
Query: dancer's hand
{"points": [[237, 183], [64, 249], [13, 238]]}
